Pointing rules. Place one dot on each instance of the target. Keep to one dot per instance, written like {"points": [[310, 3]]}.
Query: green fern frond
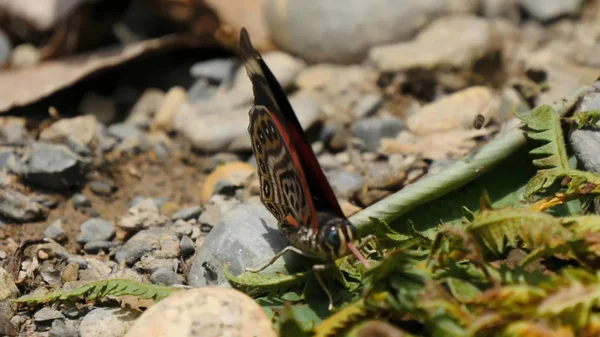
{"points": [[529, 328], [255, 284], [104, 288], [543, 124], [497, 229], [341, 320], [582, 224], [511, 299], [573, 304], [588, 118]]}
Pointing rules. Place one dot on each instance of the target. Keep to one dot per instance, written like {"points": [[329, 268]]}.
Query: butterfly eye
{"points": [[333, 238]]}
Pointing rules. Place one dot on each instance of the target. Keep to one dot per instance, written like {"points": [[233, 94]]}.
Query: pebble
{"points": [[13, 131], [245, 237], [61, 328], [365, 24], [5, 47], [81, 130], [70, 272], [165, 276], [187, 247], [8, 159], [225, 130], [372, 130], [188, 213], [547, 10], [7, 327], [55, 231], [145, 108], [218, 159], [183, 227], [96, 246], [47, 314], [80, 200], [454, 112], [123, 131], [8, 288], [236, 173], [54, 166], [162, 241], [163, 119], [345, 184], [200, 91], [382, 176], [367, 105], [95, 229], [144, 214], [150, 263], [218, 70], [209, 311], [101, 187], [18, 207], [158, 201], [24, 56], [120, 320], [328, 162], [452, 41]]}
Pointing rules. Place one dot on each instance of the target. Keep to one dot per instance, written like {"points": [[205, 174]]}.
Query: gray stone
{"points": [[345, 184], [218, 159], [94, 247], [149, 263], [201, 90], [14, 133], [55, 231], [183, 227], [7, 328], [145, 108], [187, 247], [54, 166], [7, 159], [158, 201], [101, 187], [372, 130], [144, 214], [549, 9], [188, 213], [367, 105], [80, 130], [107, 322], [5, 47], [215, 69], [165, 276], [80, 200], [47, 314], [365, 24], [8, 288], [246, 237], [124, 131], [160, 240], [61, 328], [452, 41], [95, 229], [227, 130], [16, 206]]}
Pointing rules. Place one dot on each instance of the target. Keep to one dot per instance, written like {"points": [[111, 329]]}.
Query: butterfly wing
{"points": [[269, 94], [282, 185]]}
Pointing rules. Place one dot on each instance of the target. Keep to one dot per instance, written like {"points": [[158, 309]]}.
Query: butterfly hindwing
{"points": [[281, 182]]}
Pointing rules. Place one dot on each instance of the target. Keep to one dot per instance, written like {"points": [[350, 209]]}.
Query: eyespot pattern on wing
{"points": [[280, 187]]}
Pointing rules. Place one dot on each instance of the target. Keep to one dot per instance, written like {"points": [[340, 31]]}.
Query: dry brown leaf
{"points": [[437, 146], [26, 86]]}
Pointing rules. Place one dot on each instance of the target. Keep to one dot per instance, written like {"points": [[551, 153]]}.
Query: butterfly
{"points": [[292, 185]]}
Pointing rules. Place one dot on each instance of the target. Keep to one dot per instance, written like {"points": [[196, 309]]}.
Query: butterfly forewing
{"points": [[268, 93], [281, 185]]}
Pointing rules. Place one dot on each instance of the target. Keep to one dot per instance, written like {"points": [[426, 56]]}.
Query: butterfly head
{"points": [[335, 236]]}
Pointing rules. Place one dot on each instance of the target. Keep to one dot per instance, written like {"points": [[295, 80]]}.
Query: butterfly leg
{"points": [[320, 267], [276, 256], [368, 239]]}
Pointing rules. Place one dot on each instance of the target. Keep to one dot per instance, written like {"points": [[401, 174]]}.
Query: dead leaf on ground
{"points": [[437, 146], [26, 86]]}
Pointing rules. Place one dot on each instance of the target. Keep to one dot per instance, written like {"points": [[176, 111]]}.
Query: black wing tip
{"points": [[245, 48]]}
